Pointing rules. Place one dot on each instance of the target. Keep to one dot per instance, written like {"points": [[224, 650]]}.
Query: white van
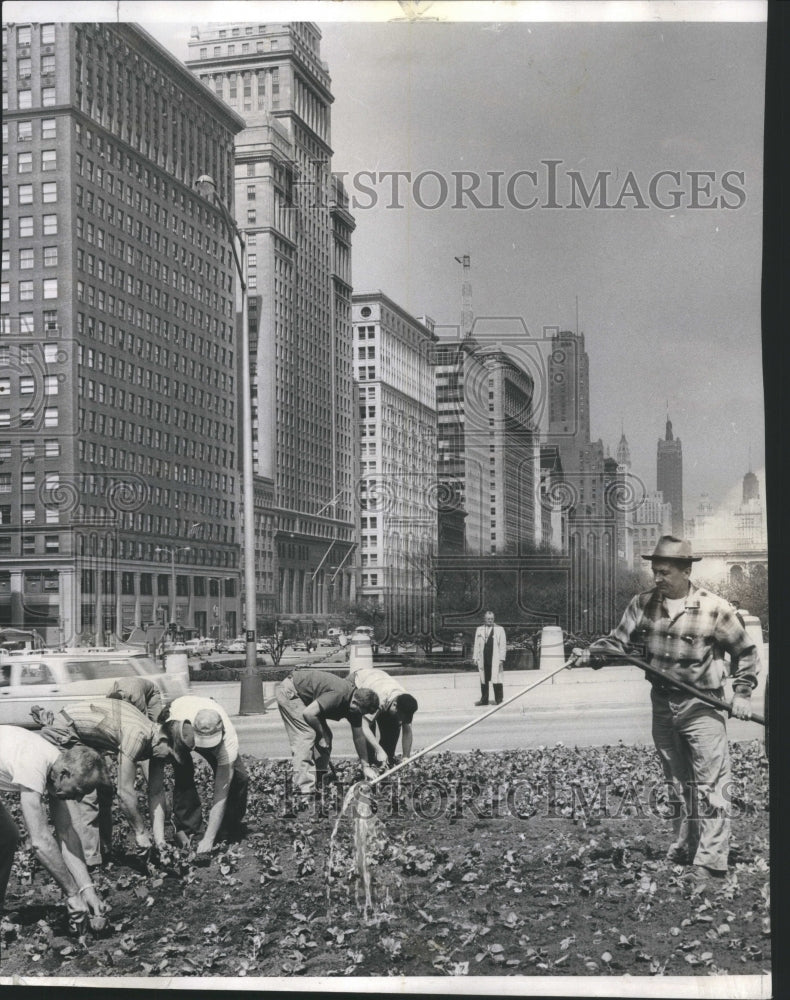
{"points": [[56, 679]]}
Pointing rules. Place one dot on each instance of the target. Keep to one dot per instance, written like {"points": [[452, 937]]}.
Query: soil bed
{"points": [[519, 863]]}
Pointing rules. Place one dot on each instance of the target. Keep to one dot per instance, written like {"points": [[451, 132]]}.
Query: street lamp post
{"points": [[251, 699], [172, 550]]}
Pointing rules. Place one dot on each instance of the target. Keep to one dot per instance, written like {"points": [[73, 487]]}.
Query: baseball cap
{"points": [[208, 728]]}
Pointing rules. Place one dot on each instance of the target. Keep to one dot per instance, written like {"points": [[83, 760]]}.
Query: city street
{"points": [[581, 708]]}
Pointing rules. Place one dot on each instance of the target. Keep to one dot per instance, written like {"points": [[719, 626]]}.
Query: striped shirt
{"points": [[106, 725], [690, 646]]}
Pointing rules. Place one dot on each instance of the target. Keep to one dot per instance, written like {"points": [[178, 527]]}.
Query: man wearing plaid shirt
{"points": [[684, 631], [115, 726]]}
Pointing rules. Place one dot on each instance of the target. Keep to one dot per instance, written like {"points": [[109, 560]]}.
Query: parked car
{"points": [[263, 647], [237, 646], [299, 647], [56, 679], [199, 647]]}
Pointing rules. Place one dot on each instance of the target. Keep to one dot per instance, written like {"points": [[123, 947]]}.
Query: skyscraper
{"points": [[669, 476], [569, 397], [298, 230], [398, 493], [117, 400]]}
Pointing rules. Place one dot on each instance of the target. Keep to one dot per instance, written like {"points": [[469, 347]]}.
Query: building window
{"points": [[49, 128], [25, 194], [49, 159], [51, 416], [250, 191], [50, 288], [47, 34], [24, 163], [51, 543], [26, 259], [47, 65], [24, 131], [25, 225], [24, 99], [50, 256], [49, 191], [25, 291], [50, 225], [48, 97]]}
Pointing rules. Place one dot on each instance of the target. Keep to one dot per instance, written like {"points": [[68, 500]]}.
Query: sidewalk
{"points": [[457, 692]]}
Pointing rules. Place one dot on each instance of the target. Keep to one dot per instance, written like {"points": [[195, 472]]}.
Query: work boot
{"points": [[483, 695], [498, 693]]}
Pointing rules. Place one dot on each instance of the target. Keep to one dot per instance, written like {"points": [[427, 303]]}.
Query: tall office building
{"points": [[511, 471], [652, 519], [298, 230], [117, 345], [398, 493], [669, 476], [462, 445], [569, 397]]}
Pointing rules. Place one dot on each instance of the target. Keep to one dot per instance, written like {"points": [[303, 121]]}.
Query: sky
{"points": [[668, 298]]}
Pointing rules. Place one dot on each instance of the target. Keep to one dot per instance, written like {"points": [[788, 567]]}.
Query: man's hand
{"points": [[742, 706], [204, 847], [587, 657], [78, 912], [381, 756], [370, 772]]}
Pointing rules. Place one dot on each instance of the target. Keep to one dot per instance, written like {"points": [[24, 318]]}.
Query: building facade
{"points": [[669, 476], [510, 440], [298, 228], [652, 519], [118, 422], [397, 487]]}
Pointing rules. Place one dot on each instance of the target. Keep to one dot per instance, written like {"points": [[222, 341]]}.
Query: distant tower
{"points": [[669, 476], [751, 487], [623, 451], [466, 297], [569, 397]]}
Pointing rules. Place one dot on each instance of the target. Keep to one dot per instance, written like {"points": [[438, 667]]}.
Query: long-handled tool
{"points": [[705, 696], [474, 722]]}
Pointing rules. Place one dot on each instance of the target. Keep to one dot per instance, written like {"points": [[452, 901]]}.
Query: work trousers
{"points": [[9, 841], [691, 740], [310, 763], [388, 735], [187, 808]]}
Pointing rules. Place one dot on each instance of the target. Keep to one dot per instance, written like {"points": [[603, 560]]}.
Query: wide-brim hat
{"points": [[669, 547]]}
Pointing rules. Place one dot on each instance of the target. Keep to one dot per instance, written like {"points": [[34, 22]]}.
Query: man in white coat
{"points": [[489, 654]]}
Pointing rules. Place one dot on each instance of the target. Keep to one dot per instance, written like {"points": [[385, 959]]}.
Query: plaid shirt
{"points": [[691, 646], [108, 725]]}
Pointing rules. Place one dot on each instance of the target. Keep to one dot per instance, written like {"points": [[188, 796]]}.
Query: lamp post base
{"points": [[251, 701]]}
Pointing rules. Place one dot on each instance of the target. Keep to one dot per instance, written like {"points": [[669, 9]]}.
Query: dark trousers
{"points": [[388, 735], [9, 841], [187, 810]]}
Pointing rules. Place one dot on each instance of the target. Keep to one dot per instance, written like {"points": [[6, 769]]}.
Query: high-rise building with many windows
{"points": [[118, 422], [669, 476], [399, 495], [298, 228]]}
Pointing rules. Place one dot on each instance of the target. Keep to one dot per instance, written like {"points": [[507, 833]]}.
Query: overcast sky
{"points": [[668, 299]]}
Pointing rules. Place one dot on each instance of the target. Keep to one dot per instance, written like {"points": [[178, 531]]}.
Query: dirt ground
{"points": [[520, 863]]}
